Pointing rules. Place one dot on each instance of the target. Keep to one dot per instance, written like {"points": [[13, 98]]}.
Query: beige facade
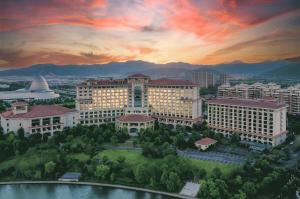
{"points": [[259, 121], [170, 101]]}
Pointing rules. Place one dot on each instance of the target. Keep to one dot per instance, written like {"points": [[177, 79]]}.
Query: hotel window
{"points": [[35, 122], [46, 121], [56, 120], [137, 96]]}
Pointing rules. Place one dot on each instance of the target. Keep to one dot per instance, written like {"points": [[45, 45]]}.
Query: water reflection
{"points": [[55, 191]]}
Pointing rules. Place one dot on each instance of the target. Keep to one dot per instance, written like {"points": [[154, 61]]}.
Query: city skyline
{"points": [[102, 31]]}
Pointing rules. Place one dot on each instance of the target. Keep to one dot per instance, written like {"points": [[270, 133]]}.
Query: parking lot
{"points": [[225, 158]]}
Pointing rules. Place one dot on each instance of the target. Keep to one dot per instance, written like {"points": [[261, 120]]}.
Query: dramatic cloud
{"points": [[19, 58], [151, 30]]}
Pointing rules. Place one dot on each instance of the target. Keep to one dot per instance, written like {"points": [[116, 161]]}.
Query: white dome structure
{"points": [[39, 84], [39, 90]]}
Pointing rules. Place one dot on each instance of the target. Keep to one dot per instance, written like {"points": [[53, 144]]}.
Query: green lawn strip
{"points": [[210, 165], [81, 157], [133, 158]]}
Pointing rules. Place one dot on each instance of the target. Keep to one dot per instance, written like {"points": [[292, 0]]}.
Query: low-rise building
{"points": [[37, 119], [261, 121], [134, 123], [205, 143]]}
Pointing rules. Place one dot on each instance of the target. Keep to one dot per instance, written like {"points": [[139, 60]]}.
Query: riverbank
{"points": [[99, 184]]}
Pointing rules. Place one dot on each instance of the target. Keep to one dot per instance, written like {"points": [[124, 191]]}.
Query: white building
{"points": [[167, 100], [37, 119], [261, 121], [39, 90]]}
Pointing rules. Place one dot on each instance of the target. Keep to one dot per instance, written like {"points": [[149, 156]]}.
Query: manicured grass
{"points": [[81, 157], [210, 165], [133, 157]]}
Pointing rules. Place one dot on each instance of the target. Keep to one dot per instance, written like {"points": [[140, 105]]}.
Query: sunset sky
{"points": [[158, 31]]}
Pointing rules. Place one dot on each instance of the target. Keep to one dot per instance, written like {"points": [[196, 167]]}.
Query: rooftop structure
{"points": [[259, 103], [70, 177], [135, 118], [205, 143], [190, 189]]}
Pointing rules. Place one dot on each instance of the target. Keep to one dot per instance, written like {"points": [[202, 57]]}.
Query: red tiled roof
{"points": [[135, 118], [136, 75], [255, 103], [206, 141], [172, 82], [38, 111]]}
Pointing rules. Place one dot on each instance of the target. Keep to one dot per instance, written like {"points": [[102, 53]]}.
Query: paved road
{"points": [[226, 158]]}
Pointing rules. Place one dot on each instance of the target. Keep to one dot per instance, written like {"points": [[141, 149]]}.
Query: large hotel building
{"points": [[290, 96], [261, 121], [136, 101]]}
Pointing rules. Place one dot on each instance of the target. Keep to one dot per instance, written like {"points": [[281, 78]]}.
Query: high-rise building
{"points": [[204, 78], [135, 102], [290, 96], [261, 121]]}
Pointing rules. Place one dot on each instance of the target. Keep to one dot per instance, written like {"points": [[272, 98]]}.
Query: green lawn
{"points": [[81, 157], [133, 157]]}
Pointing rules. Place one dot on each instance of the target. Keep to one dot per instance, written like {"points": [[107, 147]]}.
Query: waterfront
{"points": [[64, 191]]}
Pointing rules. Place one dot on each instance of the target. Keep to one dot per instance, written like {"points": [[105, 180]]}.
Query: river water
{"points": [[63, 191]]}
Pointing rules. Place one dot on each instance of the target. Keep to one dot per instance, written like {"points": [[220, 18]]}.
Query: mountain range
{"points": [[177, 69]]}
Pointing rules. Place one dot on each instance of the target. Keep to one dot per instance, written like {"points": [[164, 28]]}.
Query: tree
{"points": [[21, 133], [114, 139], [209, 190], [173, 182], [102, 171], [249, 188], [180, 141], [216, 173], [238, 181], [50, 168], [235, 138], [240, 195], [140, 174], [213, 189]]}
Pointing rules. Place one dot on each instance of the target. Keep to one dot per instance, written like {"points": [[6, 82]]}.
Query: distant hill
{"points": [[288, 72], [177, 69], [294, 59], [249, 69]]}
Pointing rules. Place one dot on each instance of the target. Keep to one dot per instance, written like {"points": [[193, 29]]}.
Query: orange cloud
{"points": [[19, 58]]}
